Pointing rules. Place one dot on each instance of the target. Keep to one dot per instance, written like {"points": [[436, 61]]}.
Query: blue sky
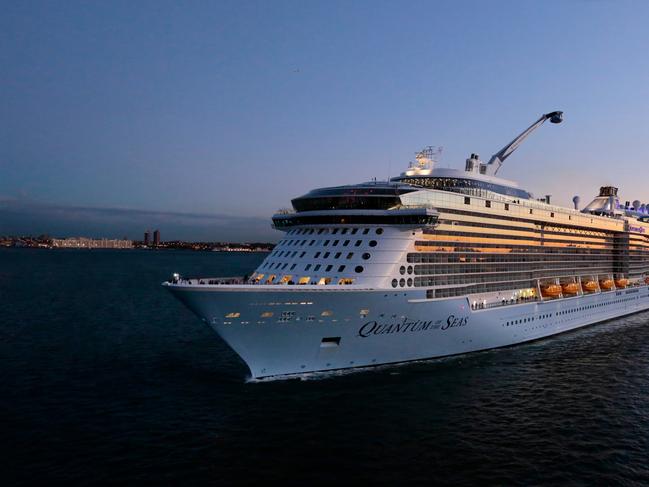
{"points": [[224, 111]]}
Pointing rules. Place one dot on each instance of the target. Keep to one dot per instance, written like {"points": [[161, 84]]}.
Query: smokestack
{"points": [[575, 201]]}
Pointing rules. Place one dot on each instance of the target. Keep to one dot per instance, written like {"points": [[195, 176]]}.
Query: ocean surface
{"points": [[105, 379]]}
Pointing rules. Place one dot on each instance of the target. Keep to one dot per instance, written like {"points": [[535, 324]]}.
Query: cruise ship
{"points": [[432, 263]]}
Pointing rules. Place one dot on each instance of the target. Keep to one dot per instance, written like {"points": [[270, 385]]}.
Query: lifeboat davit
{"points": [[589, 286], [621, 283], [551, 291], [570, 288], [606, 284]]}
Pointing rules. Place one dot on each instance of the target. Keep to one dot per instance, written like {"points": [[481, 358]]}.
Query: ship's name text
{"points": [[376, 328]]}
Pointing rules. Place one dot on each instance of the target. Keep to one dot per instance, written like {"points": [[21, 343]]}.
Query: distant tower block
{"points": [[156, 238], [147, 237]]}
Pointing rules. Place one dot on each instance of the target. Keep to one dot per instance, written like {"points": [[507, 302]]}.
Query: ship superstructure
{"points": [[434, 262]]}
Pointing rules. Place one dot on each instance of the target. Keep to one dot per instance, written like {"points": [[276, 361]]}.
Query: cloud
{"points": [[19, 217]]}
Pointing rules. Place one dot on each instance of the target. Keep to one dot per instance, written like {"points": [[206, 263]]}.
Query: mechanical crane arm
{"points": [[499, 157]]}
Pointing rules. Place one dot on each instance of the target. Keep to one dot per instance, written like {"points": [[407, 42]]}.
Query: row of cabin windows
{"points": [[334, 243], [569, 311], [276, 265], [334, 231], [487, 203]]}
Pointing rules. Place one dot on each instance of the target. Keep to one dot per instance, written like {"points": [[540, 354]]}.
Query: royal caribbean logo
{"points": [[407, 326]]}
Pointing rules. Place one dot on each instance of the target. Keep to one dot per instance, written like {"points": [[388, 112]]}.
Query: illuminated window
{"points": [[345, 281], [270, 279], [324, 281], [327, 313], [304, 280], [267, 314], [286, 279], [365, 312], [233, 315]]}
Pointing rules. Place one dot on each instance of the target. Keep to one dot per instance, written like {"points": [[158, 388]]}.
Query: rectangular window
{"points": [[358, 243], [337, 256], [317, 267], [326, 254], [326, 243], [345, 243], [308, 266], [317, 254], [506, 206], [467, 200], [487, 204], [350, 255], [335, 242], [341, 268], [531, 211], [329, 267]]}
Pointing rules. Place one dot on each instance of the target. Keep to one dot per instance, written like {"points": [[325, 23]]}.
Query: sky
{"points": [[204, 118]]}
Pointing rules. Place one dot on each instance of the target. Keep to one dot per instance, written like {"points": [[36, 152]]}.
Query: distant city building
{"points": [[147, 237], [91, 243], [156, 238]]}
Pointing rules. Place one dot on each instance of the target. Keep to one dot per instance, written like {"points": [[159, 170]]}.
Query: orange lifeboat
{"points": [[621, 283], [606, 284], [570, 288], [589, 286], [551, 291]]}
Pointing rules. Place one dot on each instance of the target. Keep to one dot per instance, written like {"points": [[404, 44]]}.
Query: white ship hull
{"points": [[319, 330]]}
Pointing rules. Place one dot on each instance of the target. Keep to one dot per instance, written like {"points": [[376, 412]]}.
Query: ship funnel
{"points": [[575, 201]]}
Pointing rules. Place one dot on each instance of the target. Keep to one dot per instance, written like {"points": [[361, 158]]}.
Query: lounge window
{"points": [[304, 280], [327, 313], [233, 315], [286, 279], [267, 314], [346, 281], [324, 281]]}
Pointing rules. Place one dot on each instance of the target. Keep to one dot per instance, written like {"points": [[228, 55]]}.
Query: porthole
{"points": [[409, 282], [379, 231], [402, 270], [402, 282], [372, 243], [394, 283], [359, 269], [366, 256], [409, 269]]}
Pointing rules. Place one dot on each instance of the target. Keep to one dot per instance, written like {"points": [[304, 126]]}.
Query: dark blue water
{"points": [[106, 379]]}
